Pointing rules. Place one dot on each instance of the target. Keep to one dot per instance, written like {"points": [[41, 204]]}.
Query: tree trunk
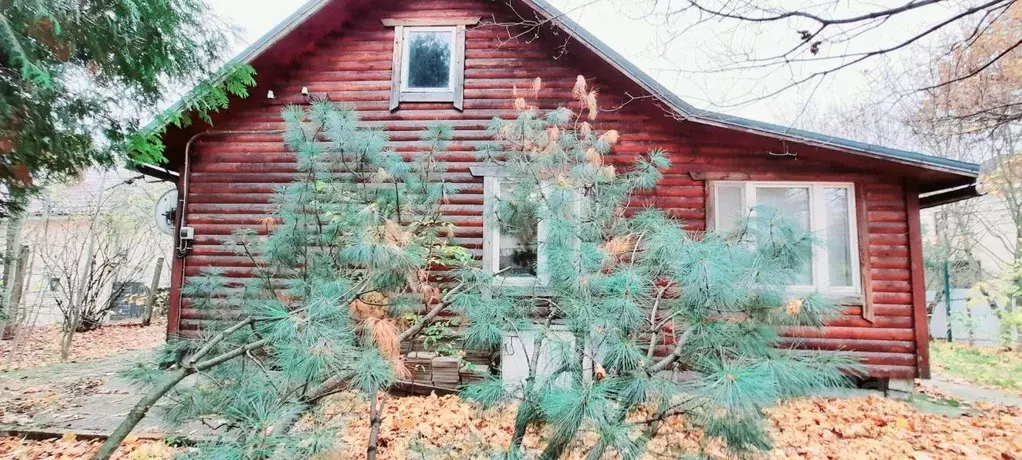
{"points": [[12, 248], [77, 301], [938, 296], [15, 314], [527, 409], [374, 427], [147, 318], [18, 288], [70, 325], [523, 417], [556, 449]]}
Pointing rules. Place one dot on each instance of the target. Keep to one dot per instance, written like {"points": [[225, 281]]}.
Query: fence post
{"points": [[947, 298], [148, 317], [18, 286]]}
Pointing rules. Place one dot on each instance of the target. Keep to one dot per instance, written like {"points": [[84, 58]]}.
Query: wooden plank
{"points": [[395, 73], [915, 243], [427, 22], [865, 266], [857, 333], [459, 67], [906, 346], [752, 172]]}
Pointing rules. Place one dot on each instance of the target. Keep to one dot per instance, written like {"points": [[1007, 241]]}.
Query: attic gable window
{"points": [[428, 63], [429, 60]]}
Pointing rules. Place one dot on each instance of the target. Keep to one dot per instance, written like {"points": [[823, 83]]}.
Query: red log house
{"points": [[358, 52]]}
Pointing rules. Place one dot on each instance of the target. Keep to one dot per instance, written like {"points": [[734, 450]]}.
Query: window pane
{"points": [[839, 238], [429, 59], [730, 208], [518, 251], [791, 203]]}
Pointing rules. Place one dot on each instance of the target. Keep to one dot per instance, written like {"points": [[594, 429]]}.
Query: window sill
{"points": [[426, 96], [845, 298], [521, 287]]}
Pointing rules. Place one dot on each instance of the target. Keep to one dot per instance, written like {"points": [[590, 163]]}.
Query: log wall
{"points": [[232, 177]]}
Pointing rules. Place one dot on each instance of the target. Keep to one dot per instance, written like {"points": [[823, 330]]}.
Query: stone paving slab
{"points": [[973, 393], [99, 410]]}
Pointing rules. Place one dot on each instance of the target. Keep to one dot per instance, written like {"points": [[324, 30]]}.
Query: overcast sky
{"points": [[682, 66]]}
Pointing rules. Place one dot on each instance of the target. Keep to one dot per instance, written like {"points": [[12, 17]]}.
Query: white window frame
{"points": [[491, 242], [405, 56], [817, 212]]}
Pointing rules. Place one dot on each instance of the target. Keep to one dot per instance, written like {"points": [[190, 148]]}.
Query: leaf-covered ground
{"points": [[70, 447], [863, 427], [985, 366], [42, 344], [446, 427]]}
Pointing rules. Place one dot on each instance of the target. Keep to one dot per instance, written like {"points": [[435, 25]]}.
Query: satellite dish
{"points": [[166, 209]]}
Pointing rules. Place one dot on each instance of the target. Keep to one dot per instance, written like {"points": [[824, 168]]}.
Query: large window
{"points": [[512, 243], [825, 209]]}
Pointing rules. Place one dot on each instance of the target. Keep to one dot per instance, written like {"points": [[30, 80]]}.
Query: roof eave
{"points": [[964, 169], [948, 196]]}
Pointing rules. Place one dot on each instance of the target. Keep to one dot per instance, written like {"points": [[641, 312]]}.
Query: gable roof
{"points": [[965, 171]]}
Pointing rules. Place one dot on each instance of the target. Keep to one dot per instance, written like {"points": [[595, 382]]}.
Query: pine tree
{"points": [[642, 300], [343, 265], [358, 260]]}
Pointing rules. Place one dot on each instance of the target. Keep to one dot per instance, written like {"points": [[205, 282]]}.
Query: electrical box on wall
{"points": [[186, 234]]}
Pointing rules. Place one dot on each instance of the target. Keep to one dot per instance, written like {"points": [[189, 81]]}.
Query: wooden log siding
{"points": [[233, 177]]}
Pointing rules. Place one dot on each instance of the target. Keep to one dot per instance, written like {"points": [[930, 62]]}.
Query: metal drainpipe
{"points": [[182, 246]]}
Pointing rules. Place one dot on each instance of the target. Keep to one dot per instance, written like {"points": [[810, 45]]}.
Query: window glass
{"points": [[839, 246], [791, 203], [730, 207], [517, 251], [429, 59], [824, 209]]}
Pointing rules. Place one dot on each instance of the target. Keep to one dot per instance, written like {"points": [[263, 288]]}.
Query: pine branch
{"points": [[445, 302]]}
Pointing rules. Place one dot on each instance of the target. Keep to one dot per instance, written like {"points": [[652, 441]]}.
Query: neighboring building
{"points": [[982, 236], [56, 231], [990, 228], [865, 197]]}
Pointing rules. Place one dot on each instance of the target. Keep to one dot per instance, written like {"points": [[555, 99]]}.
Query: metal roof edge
{"points": [[906, 156]]}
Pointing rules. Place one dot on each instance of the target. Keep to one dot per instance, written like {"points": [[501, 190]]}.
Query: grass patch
{"points": [[985, 366]]}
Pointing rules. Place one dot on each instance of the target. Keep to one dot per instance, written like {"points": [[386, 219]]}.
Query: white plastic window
{"points": [[824, 208], [517, 259]]}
